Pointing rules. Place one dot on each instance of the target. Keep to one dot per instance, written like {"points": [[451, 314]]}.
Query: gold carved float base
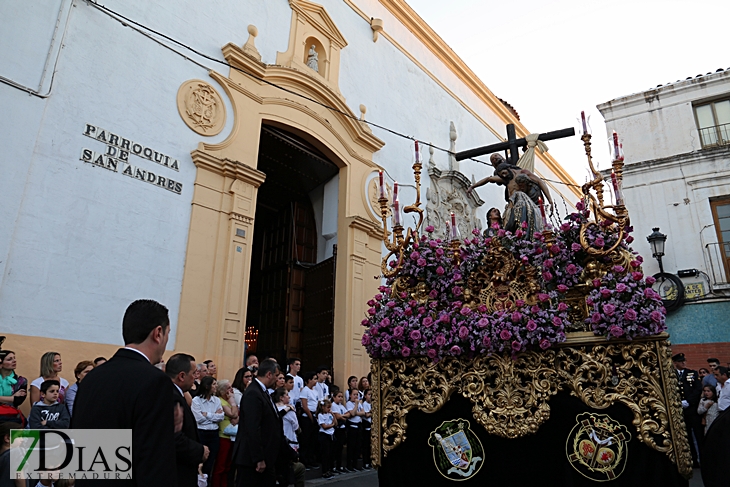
{"points": [[510, 397]]}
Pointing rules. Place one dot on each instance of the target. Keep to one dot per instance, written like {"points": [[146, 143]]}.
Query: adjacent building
{"points": [[676, 142]]}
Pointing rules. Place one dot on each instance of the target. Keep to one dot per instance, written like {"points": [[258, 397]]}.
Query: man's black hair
{"points": [[292, 360], [309, 376], [321, 368], [266, 366], [141, 317], [99, 359], [722, 370], [180, 362], [207, 362], [48, 383], [713, 360], [288, 377]]}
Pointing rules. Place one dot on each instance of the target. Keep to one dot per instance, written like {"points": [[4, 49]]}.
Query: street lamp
{"points": [[656, 240]]}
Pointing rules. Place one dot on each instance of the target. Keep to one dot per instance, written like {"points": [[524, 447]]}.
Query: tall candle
{"points": [[396, 213], [542, 210], [616, 190], [382, 186], [418, 154], [615, 145], [454, 230], [395, 191], [583, 120]]}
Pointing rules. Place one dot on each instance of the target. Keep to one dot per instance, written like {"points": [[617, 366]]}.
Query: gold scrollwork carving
{"points": [[510, 397]]}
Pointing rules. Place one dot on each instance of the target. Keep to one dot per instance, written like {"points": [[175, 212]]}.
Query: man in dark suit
{"points": [[260, 431], [188, 449], [129, 392], [690, 390]]}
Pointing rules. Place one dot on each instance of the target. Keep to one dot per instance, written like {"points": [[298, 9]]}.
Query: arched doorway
{"points": [[290, 306]]}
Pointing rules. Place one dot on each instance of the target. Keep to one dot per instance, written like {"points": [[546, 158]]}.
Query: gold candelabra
{"points": [[396, 242], [618, 214]]}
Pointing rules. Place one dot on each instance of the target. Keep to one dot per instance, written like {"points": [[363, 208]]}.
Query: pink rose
{"points": [[548, 263], [516, 346], [463, 332], [365, 322], [465, 310], [415, 335], [483, 323], [429, 229], [575, 247], [385, 345], [365, 339], [572, 269], [544, 343], [415, 255], [486, 341], [455, 350], [621, 287], [630, 315], [405, 351], [596, 283], [637, 276], [505, 334], [562, 288], [543, 297], [440, 271], [599, 242], [562, 307], [629, 239], [440, 340], [391, 304], [516, 317], [609, 309], [427, 321], [605, 293], [618, 269], [580, 206], [431, 353], [616, 331], [531, 325], [421, 262], [596, 318], [371, 311], [557, 321], [547, 276], [385, 322], [398, 331], [650, 280], [501, 233], [656, 316]]}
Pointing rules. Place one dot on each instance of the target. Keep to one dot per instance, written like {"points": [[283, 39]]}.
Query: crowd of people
{"points": [[704, 395], [267, 426]]}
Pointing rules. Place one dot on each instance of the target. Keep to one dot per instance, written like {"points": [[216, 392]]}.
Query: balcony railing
{"points": [[718, 256], [716, 136]]}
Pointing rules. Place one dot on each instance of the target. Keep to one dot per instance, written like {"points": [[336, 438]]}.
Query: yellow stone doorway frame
{"points": [[218, 260]]}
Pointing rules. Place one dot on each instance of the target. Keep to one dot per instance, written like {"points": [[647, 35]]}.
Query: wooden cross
{"points": [[512, 144]]}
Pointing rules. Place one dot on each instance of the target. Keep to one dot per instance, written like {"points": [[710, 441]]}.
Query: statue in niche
{"points": [[523, 191], [313, 59]]}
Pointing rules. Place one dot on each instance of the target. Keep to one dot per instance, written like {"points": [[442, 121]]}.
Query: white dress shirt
{"points": [[210, 407], [723, 401]]}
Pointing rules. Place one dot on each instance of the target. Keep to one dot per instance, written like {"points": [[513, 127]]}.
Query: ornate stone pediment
{"points": [[447, 194]]}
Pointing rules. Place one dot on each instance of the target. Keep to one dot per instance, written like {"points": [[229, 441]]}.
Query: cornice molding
{"points": [[227, 167], [371, 228]]}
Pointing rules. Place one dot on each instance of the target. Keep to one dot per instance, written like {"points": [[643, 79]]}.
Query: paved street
{"points": [[360, 479]]}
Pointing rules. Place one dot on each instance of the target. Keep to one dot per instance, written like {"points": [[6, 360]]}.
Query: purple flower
{"points": [[544, 343], [580, 206], [421, 262], [616, 331], [562, 288], [609, 309], [629, 239], [630, 315], [516, 317], [516, 345], [415, 335], [531, 325], [575, 247], [618, 269], [427, 321], [433, 294], [621, 287], [605, 293], [637, 276], [463, 332], [405, 351], [596, 318], [519, 303], [398, 331], [649, 293], [656, 316], [391, 304], [457, 291], [385, 345], [505, 334], [415, 255], [599, 242], [429, 229], [650, 280], [548, 263], [455, 350], [440, 271], [501, 233], [547, 276], [635, 263], [557, 321], [486, 341], [433, 244], [431, 353], [365, 339], [562, 307], [572, 269], [371, 302], [385, 322], [371, 311], [543, 297], [483, 323], [596, 282], [482, 308], [440, 340]]}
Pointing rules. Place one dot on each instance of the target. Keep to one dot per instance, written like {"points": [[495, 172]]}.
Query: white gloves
{"points": [[685, 404]]}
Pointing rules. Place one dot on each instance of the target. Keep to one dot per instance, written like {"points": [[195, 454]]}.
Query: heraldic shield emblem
{"points": [[457, 452], [597, 447]]}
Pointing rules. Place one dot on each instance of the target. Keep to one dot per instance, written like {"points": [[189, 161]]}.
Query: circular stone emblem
{"points": [[201, 107], [457, 452]]}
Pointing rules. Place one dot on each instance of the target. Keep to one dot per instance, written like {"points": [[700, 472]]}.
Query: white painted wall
{"points": [[78, 243], [668, 178]]}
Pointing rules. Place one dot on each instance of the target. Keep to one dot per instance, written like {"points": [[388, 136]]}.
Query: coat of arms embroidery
{"points": [[597, 447], [457, 452]]}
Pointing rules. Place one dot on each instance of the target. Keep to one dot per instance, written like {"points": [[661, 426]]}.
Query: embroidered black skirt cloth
{"points": [[576, 446]]}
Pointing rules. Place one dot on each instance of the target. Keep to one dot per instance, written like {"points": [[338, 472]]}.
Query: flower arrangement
{"points": [[423, 311]]}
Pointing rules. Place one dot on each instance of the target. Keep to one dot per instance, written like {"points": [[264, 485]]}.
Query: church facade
{"points": [[224, 161]]}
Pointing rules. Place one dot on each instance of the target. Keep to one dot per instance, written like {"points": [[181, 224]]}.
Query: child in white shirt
{"points": [[327, 424]]}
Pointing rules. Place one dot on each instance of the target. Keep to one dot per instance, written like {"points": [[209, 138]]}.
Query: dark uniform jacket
{"points": [[128, 392], [260, 430], [690, 389], [188, 449]]}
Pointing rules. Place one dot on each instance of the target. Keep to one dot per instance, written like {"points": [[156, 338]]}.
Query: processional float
{"points": [[503, 358]]}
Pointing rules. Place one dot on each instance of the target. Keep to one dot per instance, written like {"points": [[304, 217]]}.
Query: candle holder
{"points": [[397, 242], [603, 214]]}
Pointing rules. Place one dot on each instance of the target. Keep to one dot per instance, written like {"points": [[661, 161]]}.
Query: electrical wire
{"points": [[126, 20]]}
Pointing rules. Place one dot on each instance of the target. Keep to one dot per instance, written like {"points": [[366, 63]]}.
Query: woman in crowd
{"points": [[308, 421], [208, 412], [240, 382], [51, 366], [230, 410], [13, 388], [80, 372], [708, 406], [280, 380], [362, 386]]}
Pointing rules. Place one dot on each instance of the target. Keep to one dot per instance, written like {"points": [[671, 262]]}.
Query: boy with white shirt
{"points": [[295, 365], [322, 390]]}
